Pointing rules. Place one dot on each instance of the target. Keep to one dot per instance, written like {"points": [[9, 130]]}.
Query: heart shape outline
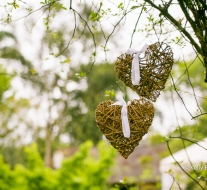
{"points": [[155, 67], [108, 119]]}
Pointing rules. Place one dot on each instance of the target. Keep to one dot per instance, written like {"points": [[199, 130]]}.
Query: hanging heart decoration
{"points": [[109, 119], [146, 71]]}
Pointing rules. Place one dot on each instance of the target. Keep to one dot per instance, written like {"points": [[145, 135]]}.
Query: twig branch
{"points": [[93, 36], [192, 87], [180, 95], [136, 25], [182, 167], [174, 180], [181, 133], [73, 34], [49, 4], [189, 140], [194, 117], [115, 27]]}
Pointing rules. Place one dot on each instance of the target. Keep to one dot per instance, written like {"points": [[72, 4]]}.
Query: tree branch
{"points": [[190, 20], [199, 115], [180, 96], [164, 12], [203, 4], [182, 167], [93, 36], [49, 4], [189, 140], [135, 27]]}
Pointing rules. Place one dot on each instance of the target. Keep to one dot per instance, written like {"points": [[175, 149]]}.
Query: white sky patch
{"points": [[65, 138], [82, 85], [57, 93], [71, 85]]}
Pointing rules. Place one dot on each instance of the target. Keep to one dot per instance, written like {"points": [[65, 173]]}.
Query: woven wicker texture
{"points": [[155, 66], [108, 119]]}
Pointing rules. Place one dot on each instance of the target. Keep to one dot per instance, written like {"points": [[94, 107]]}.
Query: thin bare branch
{"points": [[194, 117], [192, 87], [115, 27], [180, 96], [181, 133], [174, 180], [182, 167], [49, 4], [73, 34], [189, 140], [135, 27], [92, 34]]}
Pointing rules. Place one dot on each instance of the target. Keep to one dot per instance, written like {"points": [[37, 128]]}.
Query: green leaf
{"points": [[67, 61], [94, 54], [95, 16], [32, 71], [166, 139], [62, 7], [110, 93], [169, 171], [120, 5], [134, 7], [177, 88], [81, 74]]}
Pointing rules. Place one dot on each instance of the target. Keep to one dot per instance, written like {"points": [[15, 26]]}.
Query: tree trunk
{"points": [[205, 63], [48, 159]]}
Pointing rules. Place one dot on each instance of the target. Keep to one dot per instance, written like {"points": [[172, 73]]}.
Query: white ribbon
{"points": [[124, 116], [135, 63]]}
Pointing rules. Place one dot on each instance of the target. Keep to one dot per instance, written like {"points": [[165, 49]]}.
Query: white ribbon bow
{"points": [[135, 64], [124, 116]]}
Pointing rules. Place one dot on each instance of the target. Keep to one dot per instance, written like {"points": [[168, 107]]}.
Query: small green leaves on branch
{"points": [[179, 41], [95, 16], [13, 4], [121, 6], [104, 48]]}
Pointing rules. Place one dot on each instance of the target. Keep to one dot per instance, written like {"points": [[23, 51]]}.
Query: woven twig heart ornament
{"points": [[155, 65], [108, 119]]}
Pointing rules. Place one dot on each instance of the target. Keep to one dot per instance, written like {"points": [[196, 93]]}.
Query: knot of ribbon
{"points": [[135, 73], [124, 116]]}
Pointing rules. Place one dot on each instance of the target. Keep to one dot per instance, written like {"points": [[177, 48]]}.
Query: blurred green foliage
{"points": [[4, 81], [101, 86], [200, 175], [144, 160], [82, 170], [156, 138], [76, 117]]}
